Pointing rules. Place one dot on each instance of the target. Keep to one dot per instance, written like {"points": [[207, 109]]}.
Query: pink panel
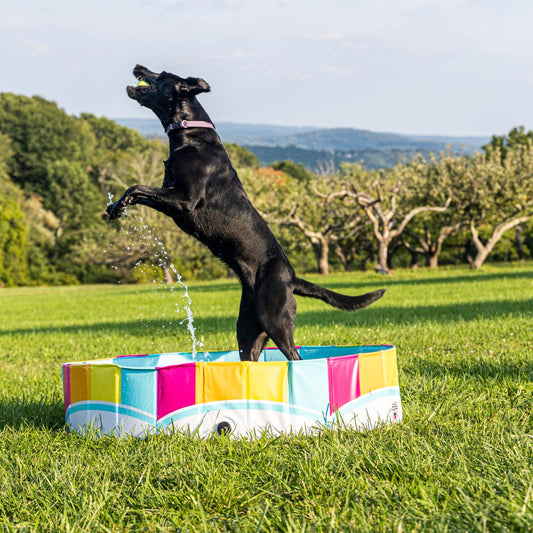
{"points": [[176, 388], [66, 385], [343, 374]]}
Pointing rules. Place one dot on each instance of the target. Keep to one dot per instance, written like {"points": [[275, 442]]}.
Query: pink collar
{"points": [[184, 124]]}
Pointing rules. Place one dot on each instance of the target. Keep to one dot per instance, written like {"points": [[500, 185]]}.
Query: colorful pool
{"points": [[356, 386]]}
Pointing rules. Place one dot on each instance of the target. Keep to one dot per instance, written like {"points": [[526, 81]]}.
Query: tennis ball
{"points": [[143, 83]]}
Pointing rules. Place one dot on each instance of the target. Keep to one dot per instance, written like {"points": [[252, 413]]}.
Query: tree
{"points": [[295, 170], [304, 203], [13, 229], [355, 247], [111, 137], [144, 242], [331, 222], [241, 157], [77, 204], [40, 134], [13, 253], [438, 179], [497, 192], [504, 143], [387, 200]]}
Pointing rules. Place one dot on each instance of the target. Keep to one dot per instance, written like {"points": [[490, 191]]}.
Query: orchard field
{"points": [[462, 459]]}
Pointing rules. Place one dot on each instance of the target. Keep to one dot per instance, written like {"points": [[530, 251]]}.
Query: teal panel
{"points": [[272, 354], [139, 389], [231, 356], [308, 384], [317, 352], [137, 361]]}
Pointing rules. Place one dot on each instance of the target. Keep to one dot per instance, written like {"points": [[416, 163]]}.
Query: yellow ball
{"points": [[143, 83]]}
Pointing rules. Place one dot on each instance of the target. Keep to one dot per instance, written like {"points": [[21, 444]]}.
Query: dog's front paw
{"points": [[115, 210]]}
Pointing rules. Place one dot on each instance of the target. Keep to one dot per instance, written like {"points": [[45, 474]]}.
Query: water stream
{"points": [[140, 232]]}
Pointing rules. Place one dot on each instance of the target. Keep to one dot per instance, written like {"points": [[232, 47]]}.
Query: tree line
{"points": [[58, 172]]}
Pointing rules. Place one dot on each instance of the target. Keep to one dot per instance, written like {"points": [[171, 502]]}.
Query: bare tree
{"points": [[438, 179], [314, 207], [387, 197], [431, 235], [498, 196], [329, 231]]}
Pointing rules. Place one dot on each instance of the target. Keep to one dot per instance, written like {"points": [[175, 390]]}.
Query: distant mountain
{"points": [[319, 148], [230, 132], [315, 138], [149, 127], [459, 141], [324, 161], [352, 139]]}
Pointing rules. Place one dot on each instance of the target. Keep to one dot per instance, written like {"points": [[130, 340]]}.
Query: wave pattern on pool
{"points": [[136, 395]]}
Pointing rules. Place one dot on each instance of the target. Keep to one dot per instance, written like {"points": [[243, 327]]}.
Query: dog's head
{"points": [[164, 93]]}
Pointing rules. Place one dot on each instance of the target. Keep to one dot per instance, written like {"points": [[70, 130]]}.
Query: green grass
{"points": [[462, 460]]}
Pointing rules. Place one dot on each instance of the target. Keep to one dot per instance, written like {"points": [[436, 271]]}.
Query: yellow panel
{"points": [[267, 381], [105, 383], [80, 383], [371, 372], [377, 370], [391, 368], [200, 382], [221, 381]]}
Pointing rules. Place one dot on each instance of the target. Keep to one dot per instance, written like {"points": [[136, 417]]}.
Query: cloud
{"points": [[14, 23], [238, 55], [288, 75], [337, 70], [330, 36], [37, 49]]}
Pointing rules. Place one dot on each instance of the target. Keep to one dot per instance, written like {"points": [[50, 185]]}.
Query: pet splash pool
{"points": [[142, 394]]}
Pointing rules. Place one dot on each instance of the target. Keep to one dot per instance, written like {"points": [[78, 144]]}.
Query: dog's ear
{"points": [[192, 86]]}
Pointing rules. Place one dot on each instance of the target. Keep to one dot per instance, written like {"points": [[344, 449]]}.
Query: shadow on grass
{"points": [[354, 283], [449, 313], [197, 286], [370, 317], [495, 369], [389, 281], [17, 413]]}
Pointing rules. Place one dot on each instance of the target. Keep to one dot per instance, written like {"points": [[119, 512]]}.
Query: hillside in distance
{"points": [[352, 139], [323, 148], [230, 132]]}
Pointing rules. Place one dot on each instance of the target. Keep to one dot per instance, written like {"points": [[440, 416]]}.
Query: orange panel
{"points": [[80, 383]]}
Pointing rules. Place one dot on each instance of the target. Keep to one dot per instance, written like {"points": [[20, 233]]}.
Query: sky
{"points": [[445, 67]]}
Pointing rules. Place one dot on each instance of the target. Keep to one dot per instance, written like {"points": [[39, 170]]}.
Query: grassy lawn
{"points": [[462, 460]]}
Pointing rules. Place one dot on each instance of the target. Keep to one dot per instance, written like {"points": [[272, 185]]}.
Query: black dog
{"points": [[202, 193]]}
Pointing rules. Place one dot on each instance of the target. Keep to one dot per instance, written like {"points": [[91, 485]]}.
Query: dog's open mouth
{"points": [[143, 83], [137, 91]]}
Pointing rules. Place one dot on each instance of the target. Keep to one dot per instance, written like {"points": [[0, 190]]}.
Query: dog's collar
{"points": [[184, 124]]}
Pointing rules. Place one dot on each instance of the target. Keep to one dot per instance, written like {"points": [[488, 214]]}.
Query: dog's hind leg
{"points": [[250, 333], [277, 313]]}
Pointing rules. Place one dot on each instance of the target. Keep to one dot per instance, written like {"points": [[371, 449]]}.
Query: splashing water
{"points": [[188, 310], [141, 232]]}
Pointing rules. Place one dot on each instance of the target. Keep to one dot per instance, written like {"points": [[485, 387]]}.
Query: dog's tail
{"points": [[335, 299]]}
